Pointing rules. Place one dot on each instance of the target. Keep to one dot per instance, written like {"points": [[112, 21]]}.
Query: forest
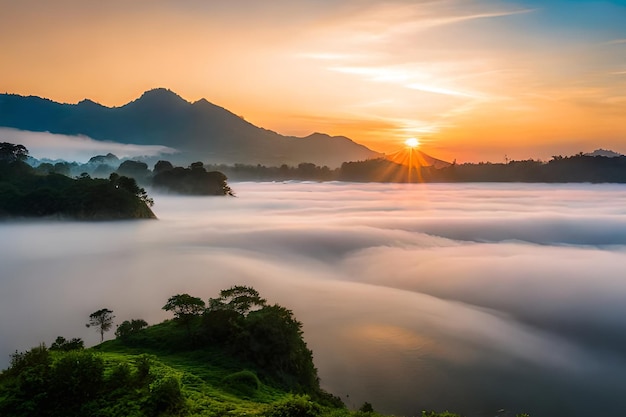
{"points": [[210, 179], [24, 192]]}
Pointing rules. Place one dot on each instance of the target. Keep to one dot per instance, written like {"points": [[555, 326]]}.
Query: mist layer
{"points": [[468, 297]]}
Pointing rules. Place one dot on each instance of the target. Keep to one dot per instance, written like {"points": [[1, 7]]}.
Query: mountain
{"points": [[604, 152], [199, 130]]}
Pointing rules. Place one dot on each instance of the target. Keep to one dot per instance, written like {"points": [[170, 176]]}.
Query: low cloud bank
{"points": [[75, 148], [467, 297]]}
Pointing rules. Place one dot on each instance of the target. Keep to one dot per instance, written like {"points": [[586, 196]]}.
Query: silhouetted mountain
{"points": [[604, 152], [200, 130]]}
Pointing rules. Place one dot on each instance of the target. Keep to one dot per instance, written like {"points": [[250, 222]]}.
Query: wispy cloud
{"points": [[76, 148]]}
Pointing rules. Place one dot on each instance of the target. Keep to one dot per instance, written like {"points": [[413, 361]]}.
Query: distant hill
{"points": [[604, 152], [200, 130]]}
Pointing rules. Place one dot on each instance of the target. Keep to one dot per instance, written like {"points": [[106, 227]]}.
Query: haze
{"points": [[474, 80], [468, 297]]}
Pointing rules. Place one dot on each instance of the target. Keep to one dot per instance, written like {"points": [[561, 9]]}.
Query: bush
{"points": [[65, 345], [243, 382], [295, 406], [366, 408], [166, 396], [435, 414]]}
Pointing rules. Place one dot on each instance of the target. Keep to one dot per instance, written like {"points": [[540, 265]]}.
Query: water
{"points": [[467, 297]]}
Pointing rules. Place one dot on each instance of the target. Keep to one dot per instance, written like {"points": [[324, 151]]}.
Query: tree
{"points": [[130, 327], [10, 152], [129, 184], [135, 169], [239, 298], [65, 345], [102, 320], [162, 165], [185, 308], [276, 344]]}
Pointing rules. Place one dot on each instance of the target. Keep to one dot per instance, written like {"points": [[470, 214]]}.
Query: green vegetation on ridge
{"points": [[25, 193], [237, 357], [222, 360]]}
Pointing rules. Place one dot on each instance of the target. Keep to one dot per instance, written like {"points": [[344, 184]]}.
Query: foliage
{"points": [[366, 408], [162, 166], [274, 342], [243, 382], [166, 396], [102, 320], [10, 152], [26, 192], [129, 184], [128, 328], [184, 306], [222, 326], [295, 406], [152, 373], [238, 298], [195, 180], [435, 414], [135, 169], [65, 345]]}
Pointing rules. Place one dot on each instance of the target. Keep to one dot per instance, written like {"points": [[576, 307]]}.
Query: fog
{"points": [[75, 148], [468, 297]]}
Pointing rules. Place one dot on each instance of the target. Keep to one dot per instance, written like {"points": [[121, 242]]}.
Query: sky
{"points": [[473, 80], [462, 297]]}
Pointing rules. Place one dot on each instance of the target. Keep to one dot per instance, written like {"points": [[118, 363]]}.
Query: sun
{"points": [[412, 142]]}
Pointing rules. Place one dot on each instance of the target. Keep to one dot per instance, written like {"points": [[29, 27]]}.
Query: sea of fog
{"points": [[468, 297]]}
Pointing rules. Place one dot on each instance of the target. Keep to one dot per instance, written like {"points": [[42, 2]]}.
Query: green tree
{"points": [[76, 378], [294, 406], [65, 345], [102, 320], [130, 327], [161, 166], [276, 344], [130, 184], [239, 298], [10, 152], [185, 308], [366, 408]]}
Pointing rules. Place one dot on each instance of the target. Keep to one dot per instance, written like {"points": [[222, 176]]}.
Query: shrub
{"points": [[166, 396], [243, 382], [295, 406]]}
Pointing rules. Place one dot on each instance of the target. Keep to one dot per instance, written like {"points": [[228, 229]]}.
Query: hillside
{"points": [[199, 131], [233, 356]]}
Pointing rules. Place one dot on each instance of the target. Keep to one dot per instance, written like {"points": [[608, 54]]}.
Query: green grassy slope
{"points": [[238, 357]]}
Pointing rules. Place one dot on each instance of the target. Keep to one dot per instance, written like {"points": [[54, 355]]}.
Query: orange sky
{"points": [[474, 80]]}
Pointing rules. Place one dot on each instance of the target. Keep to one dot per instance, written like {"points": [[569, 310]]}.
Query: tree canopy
{"points": [[102, 320], [239, 298], [28, 192], [184, 305], [10, 152]]}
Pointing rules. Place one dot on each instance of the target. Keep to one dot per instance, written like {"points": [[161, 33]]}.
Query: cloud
{"points": [[444, 296], [75, 148]]}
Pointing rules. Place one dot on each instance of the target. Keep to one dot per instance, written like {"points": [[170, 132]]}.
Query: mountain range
{"points": [[199, 131]]}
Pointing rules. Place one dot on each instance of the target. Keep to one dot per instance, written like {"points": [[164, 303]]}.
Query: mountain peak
{"points": [[202, 130], [89, 103], [161, 96]]}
